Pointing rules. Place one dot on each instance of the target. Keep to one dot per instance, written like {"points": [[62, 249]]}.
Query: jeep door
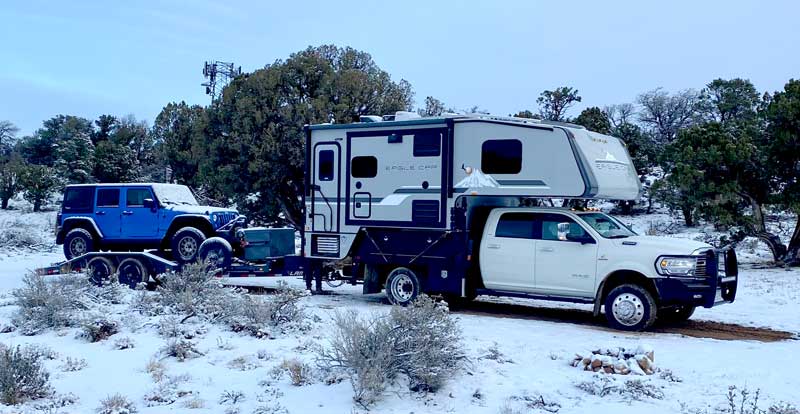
{"points": [[108, 211], [565, 267], [507, 253], [138, 221]]}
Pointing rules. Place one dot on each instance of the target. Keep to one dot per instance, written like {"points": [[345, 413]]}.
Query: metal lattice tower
{"points": [[217, 75]]}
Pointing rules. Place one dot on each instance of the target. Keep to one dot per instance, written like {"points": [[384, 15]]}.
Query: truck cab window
{"points": [[325, 165], [550, 227], [501, 156], [516, 226]]}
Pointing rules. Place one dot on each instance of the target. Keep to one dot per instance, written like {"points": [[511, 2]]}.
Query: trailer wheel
{"points": [[630, 308], [186, 243], [217, 252], [402, 286], [99, 269], [77, 243], [132, 272]]}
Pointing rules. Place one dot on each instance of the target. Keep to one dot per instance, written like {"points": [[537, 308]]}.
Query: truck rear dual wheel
{"points": [[630, 308], [402, 286]]}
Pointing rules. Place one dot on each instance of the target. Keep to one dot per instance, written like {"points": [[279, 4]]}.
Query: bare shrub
{"points": [[117, 404], [493, 353], [124, 343], [168, 390], [54, 403], [51, 302], [421, 342], [783, 408], [231, 397], [22, 376], [299, 373], [194, 403], [257, 315], [527, 403], [99, 329], [194, 291], [156, 369], [631, 389], [180, 349], [74, 364], [20, 235]]}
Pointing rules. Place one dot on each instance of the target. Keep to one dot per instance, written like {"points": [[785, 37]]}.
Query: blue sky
{"points": [[90, 57]]}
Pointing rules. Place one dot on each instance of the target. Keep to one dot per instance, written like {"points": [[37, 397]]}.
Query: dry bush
{"points": [[20, 235], [527, 403], [116, 404], [22, 376], [74, 364], [156, 369], [194, 403], [180, 349], [168, 390], [49, 302], [194, 291], [231, 397], [422, 342], [630, 390], [300, 373], [124, 343], [99, 329], [257, 315]]}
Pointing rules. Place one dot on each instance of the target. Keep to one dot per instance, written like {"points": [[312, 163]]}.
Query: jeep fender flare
{"points": [[625, 274], [198, 221], [70, 223]]}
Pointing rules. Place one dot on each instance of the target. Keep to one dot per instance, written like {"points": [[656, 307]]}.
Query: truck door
{"points": [[108, 211], [564, 267], [325, 194], [507, 253], [139, 222]]}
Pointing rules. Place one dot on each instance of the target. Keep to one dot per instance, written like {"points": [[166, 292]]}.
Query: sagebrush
{"points": [[22, 375], [52, 302], [117, 404]]}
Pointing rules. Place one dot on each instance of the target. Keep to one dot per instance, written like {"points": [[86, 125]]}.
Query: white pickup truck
{"points": [[591, 257]]}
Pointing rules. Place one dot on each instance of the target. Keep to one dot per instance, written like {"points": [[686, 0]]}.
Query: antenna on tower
{"points": [[217, 75]]}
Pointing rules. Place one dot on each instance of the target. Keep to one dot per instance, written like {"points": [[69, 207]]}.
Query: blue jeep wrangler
{"points": [[139, 216]]}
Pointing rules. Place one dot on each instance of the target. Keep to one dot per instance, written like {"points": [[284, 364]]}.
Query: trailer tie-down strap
{"points": [[382, 254], [428, 248]]}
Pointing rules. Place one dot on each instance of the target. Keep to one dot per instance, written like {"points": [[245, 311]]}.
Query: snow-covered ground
{"points": [[516, 363]]}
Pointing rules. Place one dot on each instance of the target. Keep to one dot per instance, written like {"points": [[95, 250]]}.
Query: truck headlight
{"points": [[676, 266]]}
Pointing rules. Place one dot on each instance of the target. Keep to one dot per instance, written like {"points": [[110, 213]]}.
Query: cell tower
{"points": [[217, 75]]}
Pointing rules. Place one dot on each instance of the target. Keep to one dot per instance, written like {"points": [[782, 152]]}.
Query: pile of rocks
{"points": [[639, 361]]}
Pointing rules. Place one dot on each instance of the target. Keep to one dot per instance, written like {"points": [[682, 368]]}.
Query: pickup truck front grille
{"points": [[701, 268]]}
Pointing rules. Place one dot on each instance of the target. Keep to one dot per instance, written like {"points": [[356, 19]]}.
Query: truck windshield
{"points": [[174, 194], [606, 225]]}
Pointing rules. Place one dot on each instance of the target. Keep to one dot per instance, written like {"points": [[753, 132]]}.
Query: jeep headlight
{"points": [[215, 218], [676, 266]]}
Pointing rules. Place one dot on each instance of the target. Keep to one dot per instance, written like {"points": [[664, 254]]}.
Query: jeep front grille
{"points": [[325, 245]]}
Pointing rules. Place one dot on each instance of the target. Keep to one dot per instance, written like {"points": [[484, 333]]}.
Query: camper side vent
{"points": [[325, 245], [425, 212]]}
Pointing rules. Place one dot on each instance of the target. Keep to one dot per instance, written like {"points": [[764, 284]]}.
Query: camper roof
{"points": [[374, 121]]}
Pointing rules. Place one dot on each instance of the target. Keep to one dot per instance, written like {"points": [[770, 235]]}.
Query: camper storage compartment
{"points": [[262, 243]]}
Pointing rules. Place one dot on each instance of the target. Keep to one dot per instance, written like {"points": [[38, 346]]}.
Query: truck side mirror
{"points": [[563, 231], [149, 203]]}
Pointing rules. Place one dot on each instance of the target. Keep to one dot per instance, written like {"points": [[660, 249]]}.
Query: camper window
{"points": [[501, 156], [427, 144], [364, 167], [326, 165]]}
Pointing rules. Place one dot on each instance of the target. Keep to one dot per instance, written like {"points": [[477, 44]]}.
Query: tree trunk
{"points": [[4, 204], [792, 256], [687, 215], [37, 205], [759, 230]]}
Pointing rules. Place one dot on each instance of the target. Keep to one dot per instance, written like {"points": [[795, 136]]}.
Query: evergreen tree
{"points": [[10, 169], [553, 104], [433, 107], [594, 119], [37, 182]]}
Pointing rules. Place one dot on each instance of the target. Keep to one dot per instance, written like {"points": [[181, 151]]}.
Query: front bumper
{"points": [[716, 286]]}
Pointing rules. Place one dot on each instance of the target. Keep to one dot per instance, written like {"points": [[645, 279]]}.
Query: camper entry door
{"points": [[325, 185]]}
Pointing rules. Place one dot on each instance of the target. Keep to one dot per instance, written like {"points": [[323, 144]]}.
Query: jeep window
{"points": [[606, 225], [326, 165], [550, 227], [108, 197], [136, 196], [501, 156], [78, 199], [515, 226], [174, 194], [364, 167]]}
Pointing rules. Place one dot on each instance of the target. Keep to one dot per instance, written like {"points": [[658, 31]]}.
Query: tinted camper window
{"points": [[515, 226], [326, 165], [427, 144], [501, 156], [364, 167]]}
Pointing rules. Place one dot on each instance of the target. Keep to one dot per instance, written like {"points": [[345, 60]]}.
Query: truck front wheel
{"points": [[402, 286], [630, 308]]}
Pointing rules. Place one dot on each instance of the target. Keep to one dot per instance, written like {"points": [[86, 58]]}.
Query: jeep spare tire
{"points": [[217, 252], [77, 243], [185, 244]]}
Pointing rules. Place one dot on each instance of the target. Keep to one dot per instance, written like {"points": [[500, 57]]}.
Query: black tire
{"points": [[132, 272], [402, 286], [630, 308], [185, 244], [217, 252], [100, 269], [675, 314], [77, 243]]}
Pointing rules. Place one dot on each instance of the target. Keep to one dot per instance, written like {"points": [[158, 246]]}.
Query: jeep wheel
{"points": [[186, 244], [675, 314], [217, 252], [99, 270], [77, 243], [630, 308], [132, 272], [402, 286]]}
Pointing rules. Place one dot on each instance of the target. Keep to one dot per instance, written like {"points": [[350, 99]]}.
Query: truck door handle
{"points": [[100, 213], [546, 249], [127, 212], [492, 246]]}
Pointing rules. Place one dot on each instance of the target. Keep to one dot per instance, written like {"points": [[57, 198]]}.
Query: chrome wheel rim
{"points": [[77, 247], [628, 309], [403, 287], [187, 248]]}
